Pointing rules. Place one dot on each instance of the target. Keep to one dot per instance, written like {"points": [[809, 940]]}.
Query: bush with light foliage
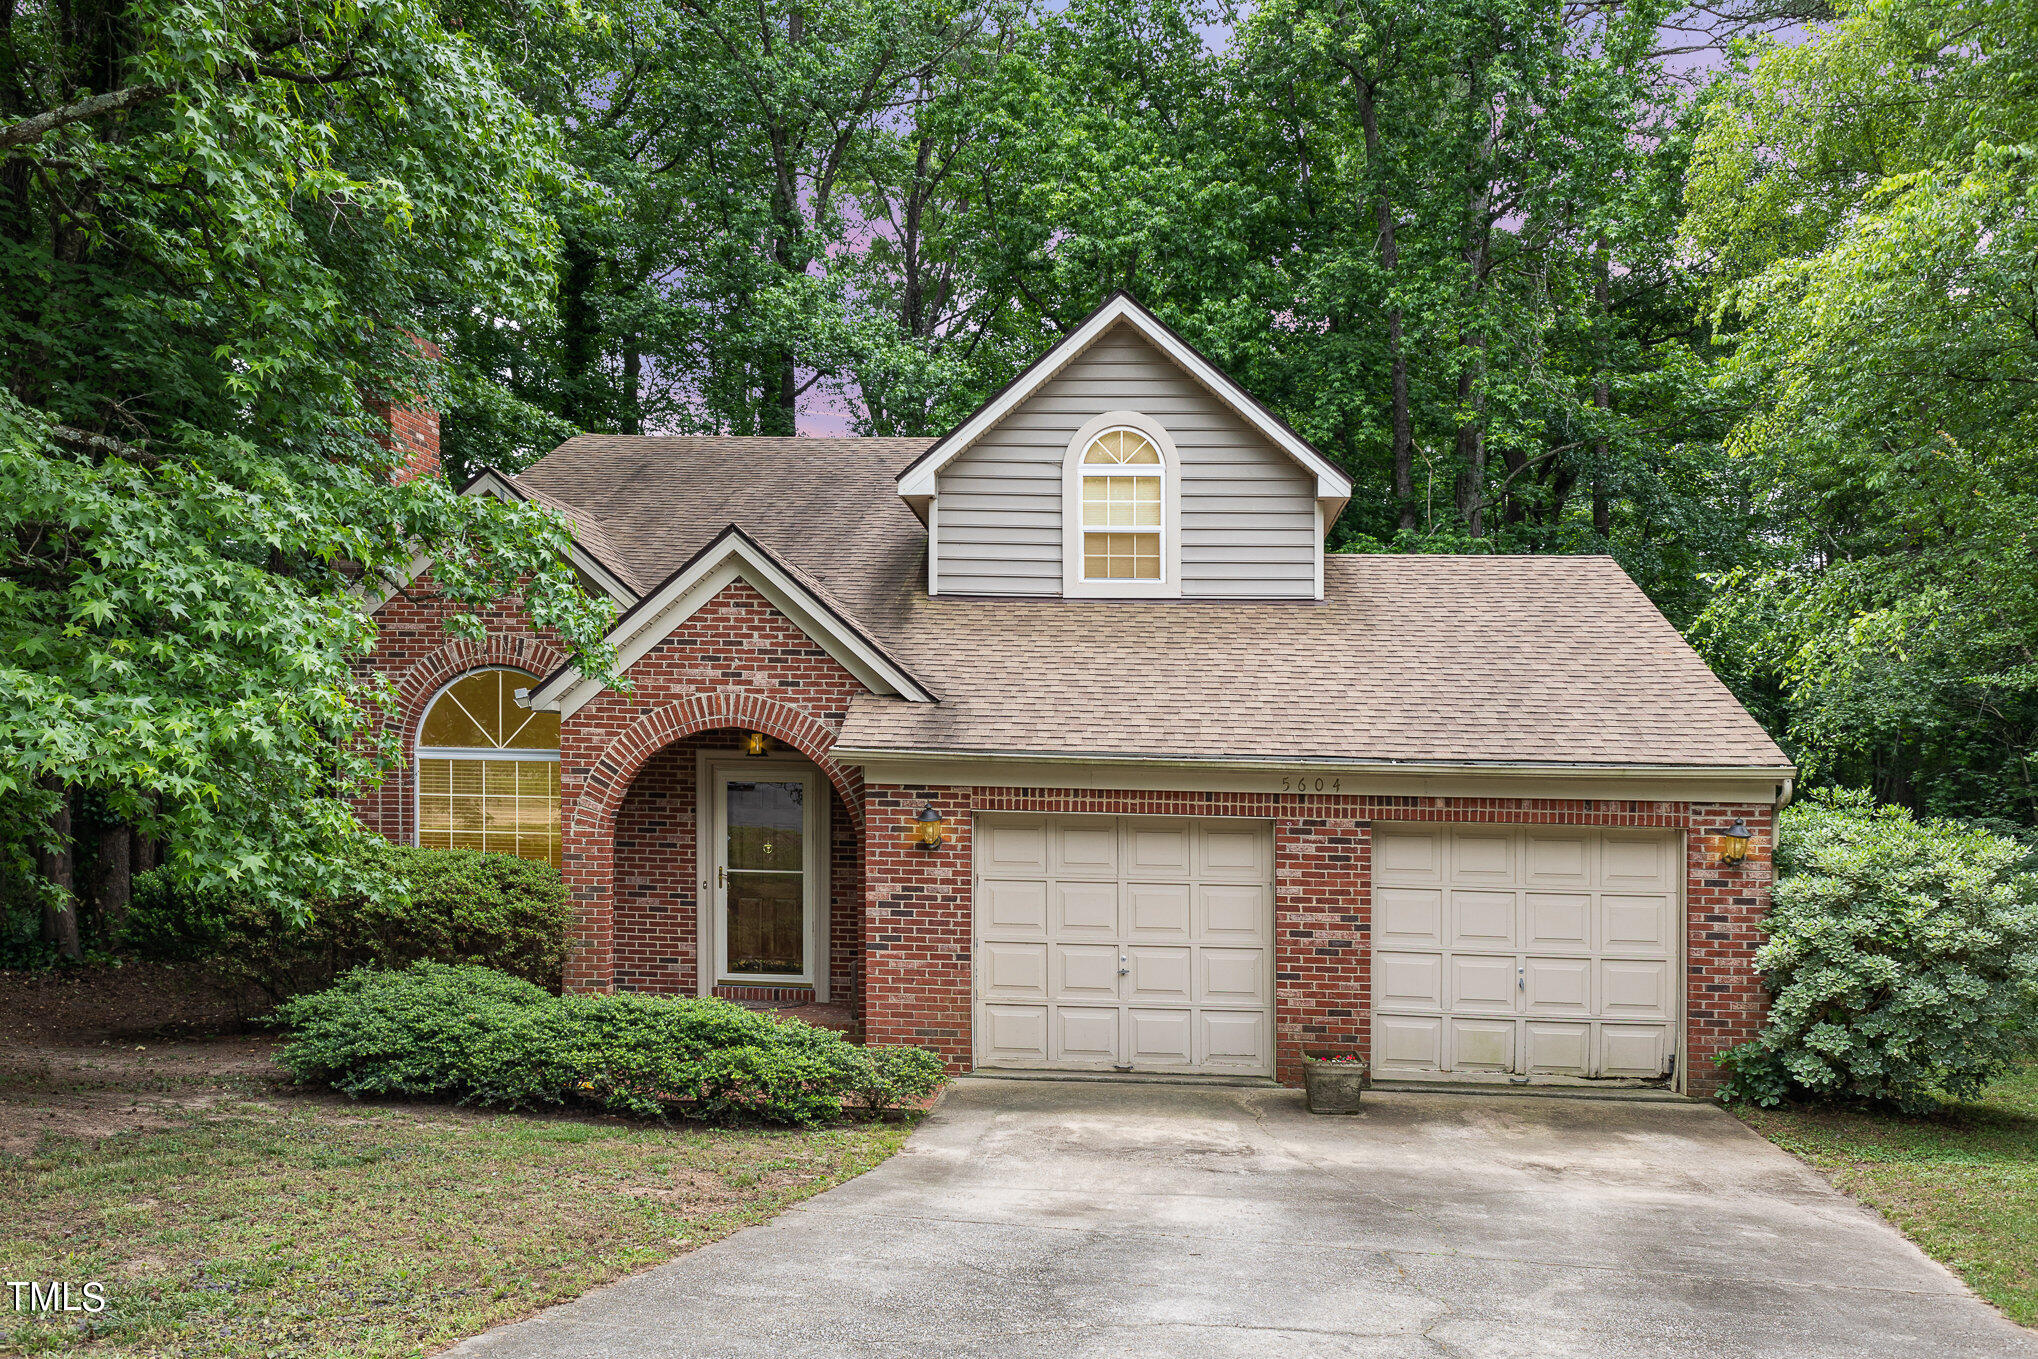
{"points": [[1902, 957]]}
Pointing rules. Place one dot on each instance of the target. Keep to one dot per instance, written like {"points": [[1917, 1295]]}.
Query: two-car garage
{"points": [[1506, 953]]}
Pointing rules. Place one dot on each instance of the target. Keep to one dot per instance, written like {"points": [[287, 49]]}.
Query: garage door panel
{"points": [[1481, 857], [1235, 913], [1415, 980], [1482, 1045], [1015, 1034], [1014, 907], [1088, 1035], [1016, 847], [1084, 909], [1233, 1040], [1557, 986], [1635, 988], [1232, 976], [1631, 862], [1085, 971], [1159, 973], [1545, 952], [1634, 1050], [1014, 970], [1409, 917], [1083, 848], [1160, 1037], [1481, 985], [1631, 923], [1554, 1048], [1412, 1044], [1557, 921], [1556, 859], [1159, 910], [1157, 850], [1408, 858], [1234, 854], [1483, 919]]}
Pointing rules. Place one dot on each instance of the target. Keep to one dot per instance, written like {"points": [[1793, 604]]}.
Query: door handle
{"points": [[721, 877], [1123, 970], [1521, 979]]}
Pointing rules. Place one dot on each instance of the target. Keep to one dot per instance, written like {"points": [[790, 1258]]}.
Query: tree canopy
{"points": [[1542, 277]]}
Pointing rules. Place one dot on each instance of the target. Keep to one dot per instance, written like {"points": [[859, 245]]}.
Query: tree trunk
{"points": [[1390, 257], [1471, 440], [53, 865], [579, 332], [1602, 395], [633, 390], [113, 873]]}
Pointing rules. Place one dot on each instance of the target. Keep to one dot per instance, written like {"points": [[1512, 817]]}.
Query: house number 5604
{"points": [[1304, 783]]}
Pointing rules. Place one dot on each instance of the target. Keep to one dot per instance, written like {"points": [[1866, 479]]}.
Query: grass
{"points": [[315, 1228], [1963, 1184]]}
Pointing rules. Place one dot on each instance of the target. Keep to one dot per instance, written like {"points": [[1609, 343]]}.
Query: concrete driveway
{"points": [[1066, 1218]]}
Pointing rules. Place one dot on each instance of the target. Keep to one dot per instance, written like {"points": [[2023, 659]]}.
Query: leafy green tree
{"points": [[221, 228], [1866, 202]]}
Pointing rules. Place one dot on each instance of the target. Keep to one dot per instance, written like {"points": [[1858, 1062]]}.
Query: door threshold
{"points": [[1644, 1094], [1119, 1077]]}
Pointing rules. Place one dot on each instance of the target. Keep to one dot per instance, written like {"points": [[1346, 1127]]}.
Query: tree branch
{"points": [[113, 101]]}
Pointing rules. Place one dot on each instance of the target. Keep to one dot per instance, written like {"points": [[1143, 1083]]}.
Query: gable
{"points": [[916, 482], [1247, 511], [734, 556]]}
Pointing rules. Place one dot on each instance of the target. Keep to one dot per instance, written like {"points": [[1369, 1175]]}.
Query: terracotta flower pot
{"points": [[1335, 1087]]}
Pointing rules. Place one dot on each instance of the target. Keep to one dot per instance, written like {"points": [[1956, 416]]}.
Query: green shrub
{"points": [[449, 906], [474, 1035], [891, 1076], [1902, 958]]}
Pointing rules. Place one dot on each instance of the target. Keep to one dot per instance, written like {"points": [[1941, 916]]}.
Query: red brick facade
{"points": [[900, 921], [917, 907]]}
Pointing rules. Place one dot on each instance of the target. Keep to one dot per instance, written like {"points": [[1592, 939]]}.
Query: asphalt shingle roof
{"points": [[1557, 660]]}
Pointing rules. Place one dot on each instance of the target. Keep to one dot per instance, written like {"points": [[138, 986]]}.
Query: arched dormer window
{"points": [[488, 770], [1121, 509]]}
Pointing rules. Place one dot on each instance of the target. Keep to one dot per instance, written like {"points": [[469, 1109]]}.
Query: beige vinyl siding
{"points": [[1248, 512]]}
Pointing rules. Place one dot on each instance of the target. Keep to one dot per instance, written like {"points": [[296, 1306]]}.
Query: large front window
{"points": [[488, 770], [1122, 477]]}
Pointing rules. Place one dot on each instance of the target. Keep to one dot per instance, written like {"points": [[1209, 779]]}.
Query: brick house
{"points": [[1060, 743]]}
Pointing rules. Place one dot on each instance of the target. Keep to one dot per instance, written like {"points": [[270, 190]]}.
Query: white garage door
{"points": [[1124, 944], [1509, 953]]}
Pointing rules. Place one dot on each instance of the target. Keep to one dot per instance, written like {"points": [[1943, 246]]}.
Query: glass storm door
{"points": [[772, 851]]}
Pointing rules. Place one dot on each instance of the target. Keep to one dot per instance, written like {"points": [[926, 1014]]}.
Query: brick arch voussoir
{"points": [[601, 795], [432, 671]]}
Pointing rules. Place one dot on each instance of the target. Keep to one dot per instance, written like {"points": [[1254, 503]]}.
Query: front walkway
{"points": [[1064, 1218]]}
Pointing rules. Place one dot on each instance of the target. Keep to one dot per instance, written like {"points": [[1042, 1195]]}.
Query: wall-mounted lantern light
{"points": [[927, 827], [1734, 844], [756, 743]]}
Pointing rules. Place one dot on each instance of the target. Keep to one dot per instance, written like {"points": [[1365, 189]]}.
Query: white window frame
{"points": [[1074, 584], [711, 768], [420, 752]]}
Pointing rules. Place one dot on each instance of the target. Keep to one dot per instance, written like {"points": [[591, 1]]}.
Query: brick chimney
{"points": [[414, 434]]}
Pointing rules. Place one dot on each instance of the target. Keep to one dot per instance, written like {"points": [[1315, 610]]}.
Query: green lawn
{"points": [[299, 1227], [1962, 1184]]}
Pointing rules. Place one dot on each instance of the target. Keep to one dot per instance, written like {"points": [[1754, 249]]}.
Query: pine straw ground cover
{"points": [[282, 1225], [1962, 1183]]}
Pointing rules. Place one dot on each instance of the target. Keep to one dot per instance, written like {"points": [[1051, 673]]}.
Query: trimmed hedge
{"points": [[1902, 954], [453, 906], [474, 1035]]}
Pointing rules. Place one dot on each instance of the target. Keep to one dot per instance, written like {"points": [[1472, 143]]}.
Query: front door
{"points": [[768, 825]]}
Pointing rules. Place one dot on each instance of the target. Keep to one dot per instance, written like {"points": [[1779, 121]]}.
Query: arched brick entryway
{"points": [[595, 783]]}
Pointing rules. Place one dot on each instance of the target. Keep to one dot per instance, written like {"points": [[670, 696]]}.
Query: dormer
{"points": [[1125, 465]]}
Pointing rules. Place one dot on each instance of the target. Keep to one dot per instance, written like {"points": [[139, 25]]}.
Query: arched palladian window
{"points": [[488, 770], [1123, 489]]}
